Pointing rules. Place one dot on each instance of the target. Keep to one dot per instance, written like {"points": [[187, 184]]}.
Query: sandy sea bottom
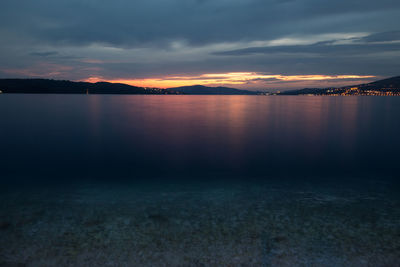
{"points": [[276, 223]]}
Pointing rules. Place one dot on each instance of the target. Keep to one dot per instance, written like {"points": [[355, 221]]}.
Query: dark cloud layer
{"points": [[44, 54], [131, 23], [383, 37], [322, 48], [147, 38]]}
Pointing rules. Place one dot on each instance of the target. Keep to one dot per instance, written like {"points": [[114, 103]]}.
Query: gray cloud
{"points": [[125, 23], [44, 54], [322, 48], [383, 37], [148, 38]]}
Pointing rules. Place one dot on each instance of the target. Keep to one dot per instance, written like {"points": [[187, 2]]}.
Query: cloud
{"points": [[383, 37], [140, 23], [339, 45], [323, 48], [146, 39], [233, 78], [40, 70], [44, 54]]}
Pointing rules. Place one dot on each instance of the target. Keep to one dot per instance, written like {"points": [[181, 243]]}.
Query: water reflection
{"points": [[188, 136]]}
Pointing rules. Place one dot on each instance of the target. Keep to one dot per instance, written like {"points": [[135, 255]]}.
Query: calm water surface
{"points": [[140, 137], [199, 181]]}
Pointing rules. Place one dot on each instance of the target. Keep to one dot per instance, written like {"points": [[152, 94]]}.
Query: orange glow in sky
{"points": [[231, 78]]}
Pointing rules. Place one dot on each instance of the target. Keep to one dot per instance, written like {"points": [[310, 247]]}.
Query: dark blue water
{"points": [[199, 180], [68, 137]]}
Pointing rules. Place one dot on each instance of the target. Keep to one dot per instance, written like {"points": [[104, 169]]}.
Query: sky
{"points": [[249, 44]]}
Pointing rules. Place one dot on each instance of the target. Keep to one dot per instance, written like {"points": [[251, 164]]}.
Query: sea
{"points": [[185, 180]]}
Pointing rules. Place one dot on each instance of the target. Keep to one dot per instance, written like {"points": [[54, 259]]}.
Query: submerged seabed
{"points": [[278, 223]]}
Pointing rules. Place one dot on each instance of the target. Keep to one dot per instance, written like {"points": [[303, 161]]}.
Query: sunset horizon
{"points": [[199, 133], [245, 80]]}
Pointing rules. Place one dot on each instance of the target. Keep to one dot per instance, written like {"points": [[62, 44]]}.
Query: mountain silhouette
{"points": [[45, 86]]}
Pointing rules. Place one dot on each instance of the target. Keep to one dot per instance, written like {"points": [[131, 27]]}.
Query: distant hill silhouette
{"points": [[385, 85], [205, 90], [45, 86], [393, 82]]}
